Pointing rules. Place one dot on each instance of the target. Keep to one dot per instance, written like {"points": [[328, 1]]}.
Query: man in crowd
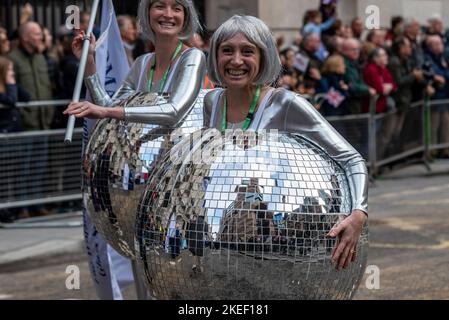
{"points": [[436, 27], [440, 113], [412, 30], [358, 89], [84, 23], [357, 28], [308, 62], [407, 77], [374, 39], [31, 70]]}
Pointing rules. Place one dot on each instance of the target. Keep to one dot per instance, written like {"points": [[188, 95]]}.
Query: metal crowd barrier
{"points": [[383, 139], [356, 129], [37, 168], [434, 143]]}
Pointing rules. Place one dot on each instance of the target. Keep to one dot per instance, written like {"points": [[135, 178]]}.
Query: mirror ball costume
{"points": [[289, 112]]}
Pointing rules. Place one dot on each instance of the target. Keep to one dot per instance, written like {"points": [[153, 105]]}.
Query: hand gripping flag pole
{"points": [[81, 69]]}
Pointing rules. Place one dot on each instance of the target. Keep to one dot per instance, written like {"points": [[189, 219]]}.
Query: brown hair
{"points": [[4, 65], [310, 15]]}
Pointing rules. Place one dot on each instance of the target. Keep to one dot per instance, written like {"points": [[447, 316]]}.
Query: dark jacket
{"points": [[440, 66], [314, 63], [32, 74], [10, 119], [329, 107], [417, 58], [68, 65], [402, 71], [358, 89]]}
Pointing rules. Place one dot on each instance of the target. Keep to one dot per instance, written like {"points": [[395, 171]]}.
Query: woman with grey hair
{"points": [[173, 68], [244, 61]]}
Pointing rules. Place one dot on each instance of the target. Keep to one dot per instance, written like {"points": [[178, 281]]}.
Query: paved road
{"points": [[409, 223], [409, 239]]}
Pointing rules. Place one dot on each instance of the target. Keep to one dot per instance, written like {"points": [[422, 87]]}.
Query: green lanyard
{"points": [[165, 76], [249, 117]]}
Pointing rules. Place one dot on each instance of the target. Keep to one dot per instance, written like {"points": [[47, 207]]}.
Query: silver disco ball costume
{"points": [[118, 161], [246, 221], [121, 155]]}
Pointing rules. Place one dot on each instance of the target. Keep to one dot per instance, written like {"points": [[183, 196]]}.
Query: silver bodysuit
{"points": [[183, 85], [289, 112]]}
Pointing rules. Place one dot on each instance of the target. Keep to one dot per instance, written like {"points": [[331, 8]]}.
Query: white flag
{"points": [[110, 271], [112, 63]]}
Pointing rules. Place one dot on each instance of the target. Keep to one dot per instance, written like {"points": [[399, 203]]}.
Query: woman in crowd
{"points": [[377, 76], [244, 61], [172, 68], [10, 121], [10, 94]]}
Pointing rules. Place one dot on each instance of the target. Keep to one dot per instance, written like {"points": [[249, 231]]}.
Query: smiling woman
{"points": [[244, 60], [158, 94], [239, 60], [256, 40], [174, 68], [151, 14]]}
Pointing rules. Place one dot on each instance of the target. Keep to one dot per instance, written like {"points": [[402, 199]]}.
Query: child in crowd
{"points": [[333, 87]]}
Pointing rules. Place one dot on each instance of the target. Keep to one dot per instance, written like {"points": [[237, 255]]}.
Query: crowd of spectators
{"points": [[44, 68], [339, 67], [36, 66], [342, 68]]}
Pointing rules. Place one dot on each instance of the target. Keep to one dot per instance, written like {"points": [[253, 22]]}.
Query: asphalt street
{"points": [[409, 246]]}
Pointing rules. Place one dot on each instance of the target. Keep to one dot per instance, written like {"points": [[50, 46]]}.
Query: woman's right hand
{"points": [[77, 44], [77, 49]]}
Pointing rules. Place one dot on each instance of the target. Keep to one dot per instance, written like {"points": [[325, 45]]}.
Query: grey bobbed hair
{"points": [[258, 33], [191, 21]]}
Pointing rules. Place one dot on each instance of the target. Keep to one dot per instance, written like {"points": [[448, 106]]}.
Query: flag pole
{"points": [[81, 69]]}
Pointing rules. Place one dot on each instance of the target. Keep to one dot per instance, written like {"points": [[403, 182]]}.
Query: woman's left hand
{"points": [[348, 232], [86, 109]]}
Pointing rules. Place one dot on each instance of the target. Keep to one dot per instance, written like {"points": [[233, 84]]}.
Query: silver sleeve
{"points": [[186, 85], [301, 117], [101, 97], [208, 105]]}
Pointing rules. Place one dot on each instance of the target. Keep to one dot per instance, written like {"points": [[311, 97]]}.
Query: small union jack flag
{"points": [[335, 98]]}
